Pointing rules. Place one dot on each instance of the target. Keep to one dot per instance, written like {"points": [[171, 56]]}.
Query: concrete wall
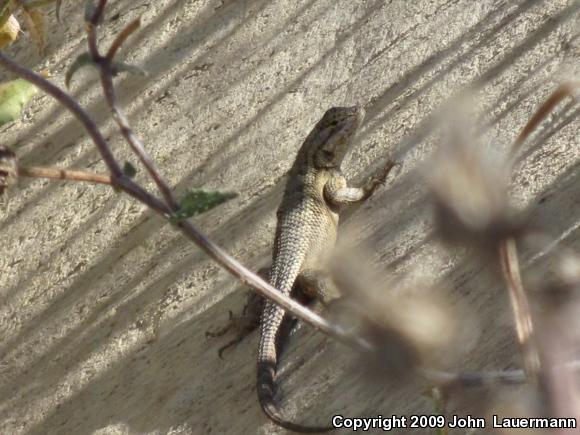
{"points": [[103, 307]]}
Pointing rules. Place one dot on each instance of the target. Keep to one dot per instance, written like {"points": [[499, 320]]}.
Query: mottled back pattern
{"points": [[305, 233]]}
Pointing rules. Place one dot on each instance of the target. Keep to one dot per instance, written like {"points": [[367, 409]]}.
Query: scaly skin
{"points": [[306, 234]]}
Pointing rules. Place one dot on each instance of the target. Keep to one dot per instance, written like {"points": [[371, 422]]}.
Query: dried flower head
{"points": [[556, 284], [406, 331], [470, 189]]}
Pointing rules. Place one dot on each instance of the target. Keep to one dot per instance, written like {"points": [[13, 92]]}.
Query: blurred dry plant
{"points": [[472, 208], [31, 13], [405, 328], [15, 94], [471, 195]]}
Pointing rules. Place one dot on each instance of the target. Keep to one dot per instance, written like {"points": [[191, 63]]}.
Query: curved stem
{"points": [[508, 256], [135, 144]]}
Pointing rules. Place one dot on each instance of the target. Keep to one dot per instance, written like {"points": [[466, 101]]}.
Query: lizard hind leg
{"points": [[243, 324], [318, 284]]}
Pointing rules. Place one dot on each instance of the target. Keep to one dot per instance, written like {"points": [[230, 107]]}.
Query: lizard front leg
{"points": [[338, 193]]}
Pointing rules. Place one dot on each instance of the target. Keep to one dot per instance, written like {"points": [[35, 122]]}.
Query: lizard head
{"points": [[334, 133]]}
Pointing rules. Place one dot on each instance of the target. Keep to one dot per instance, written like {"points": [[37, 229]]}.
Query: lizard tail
{"points": [[266, 374]]}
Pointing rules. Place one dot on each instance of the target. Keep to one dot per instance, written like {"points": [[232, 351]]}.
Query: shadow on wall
{"points": [[169, 381]]}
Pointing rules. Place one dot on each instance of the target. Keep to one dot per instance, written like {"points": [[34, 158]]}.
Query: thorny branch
{"points": [[105, 67], [169, 205]]}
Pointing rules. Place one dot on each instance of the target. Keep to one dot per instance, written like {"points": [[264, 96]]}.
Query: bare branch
{"points": [[97, 15], [122, 37], [106, 74], [91, 23], [563, 91], [63, 174], [136, 145]]}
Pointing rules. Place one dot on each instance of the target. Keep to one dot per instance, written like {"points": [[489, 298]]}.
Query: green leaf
{"points": [[129, 170], [13, 97], [81, 61], [199, 201]]}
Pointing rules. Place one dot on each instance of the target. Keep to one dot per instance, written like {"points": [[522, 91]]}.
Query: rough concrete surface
{"points": [[103, 307]]}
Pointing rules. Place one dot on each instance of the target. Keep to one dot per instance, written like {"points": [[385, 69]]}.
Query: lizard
{"points": [[306, 231]]}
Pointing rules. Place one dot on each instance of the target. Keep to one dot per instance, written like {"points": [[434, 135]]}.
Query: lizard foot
{"points": [[243, 324], [384, 174], [223, 330], [380, 179]]}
